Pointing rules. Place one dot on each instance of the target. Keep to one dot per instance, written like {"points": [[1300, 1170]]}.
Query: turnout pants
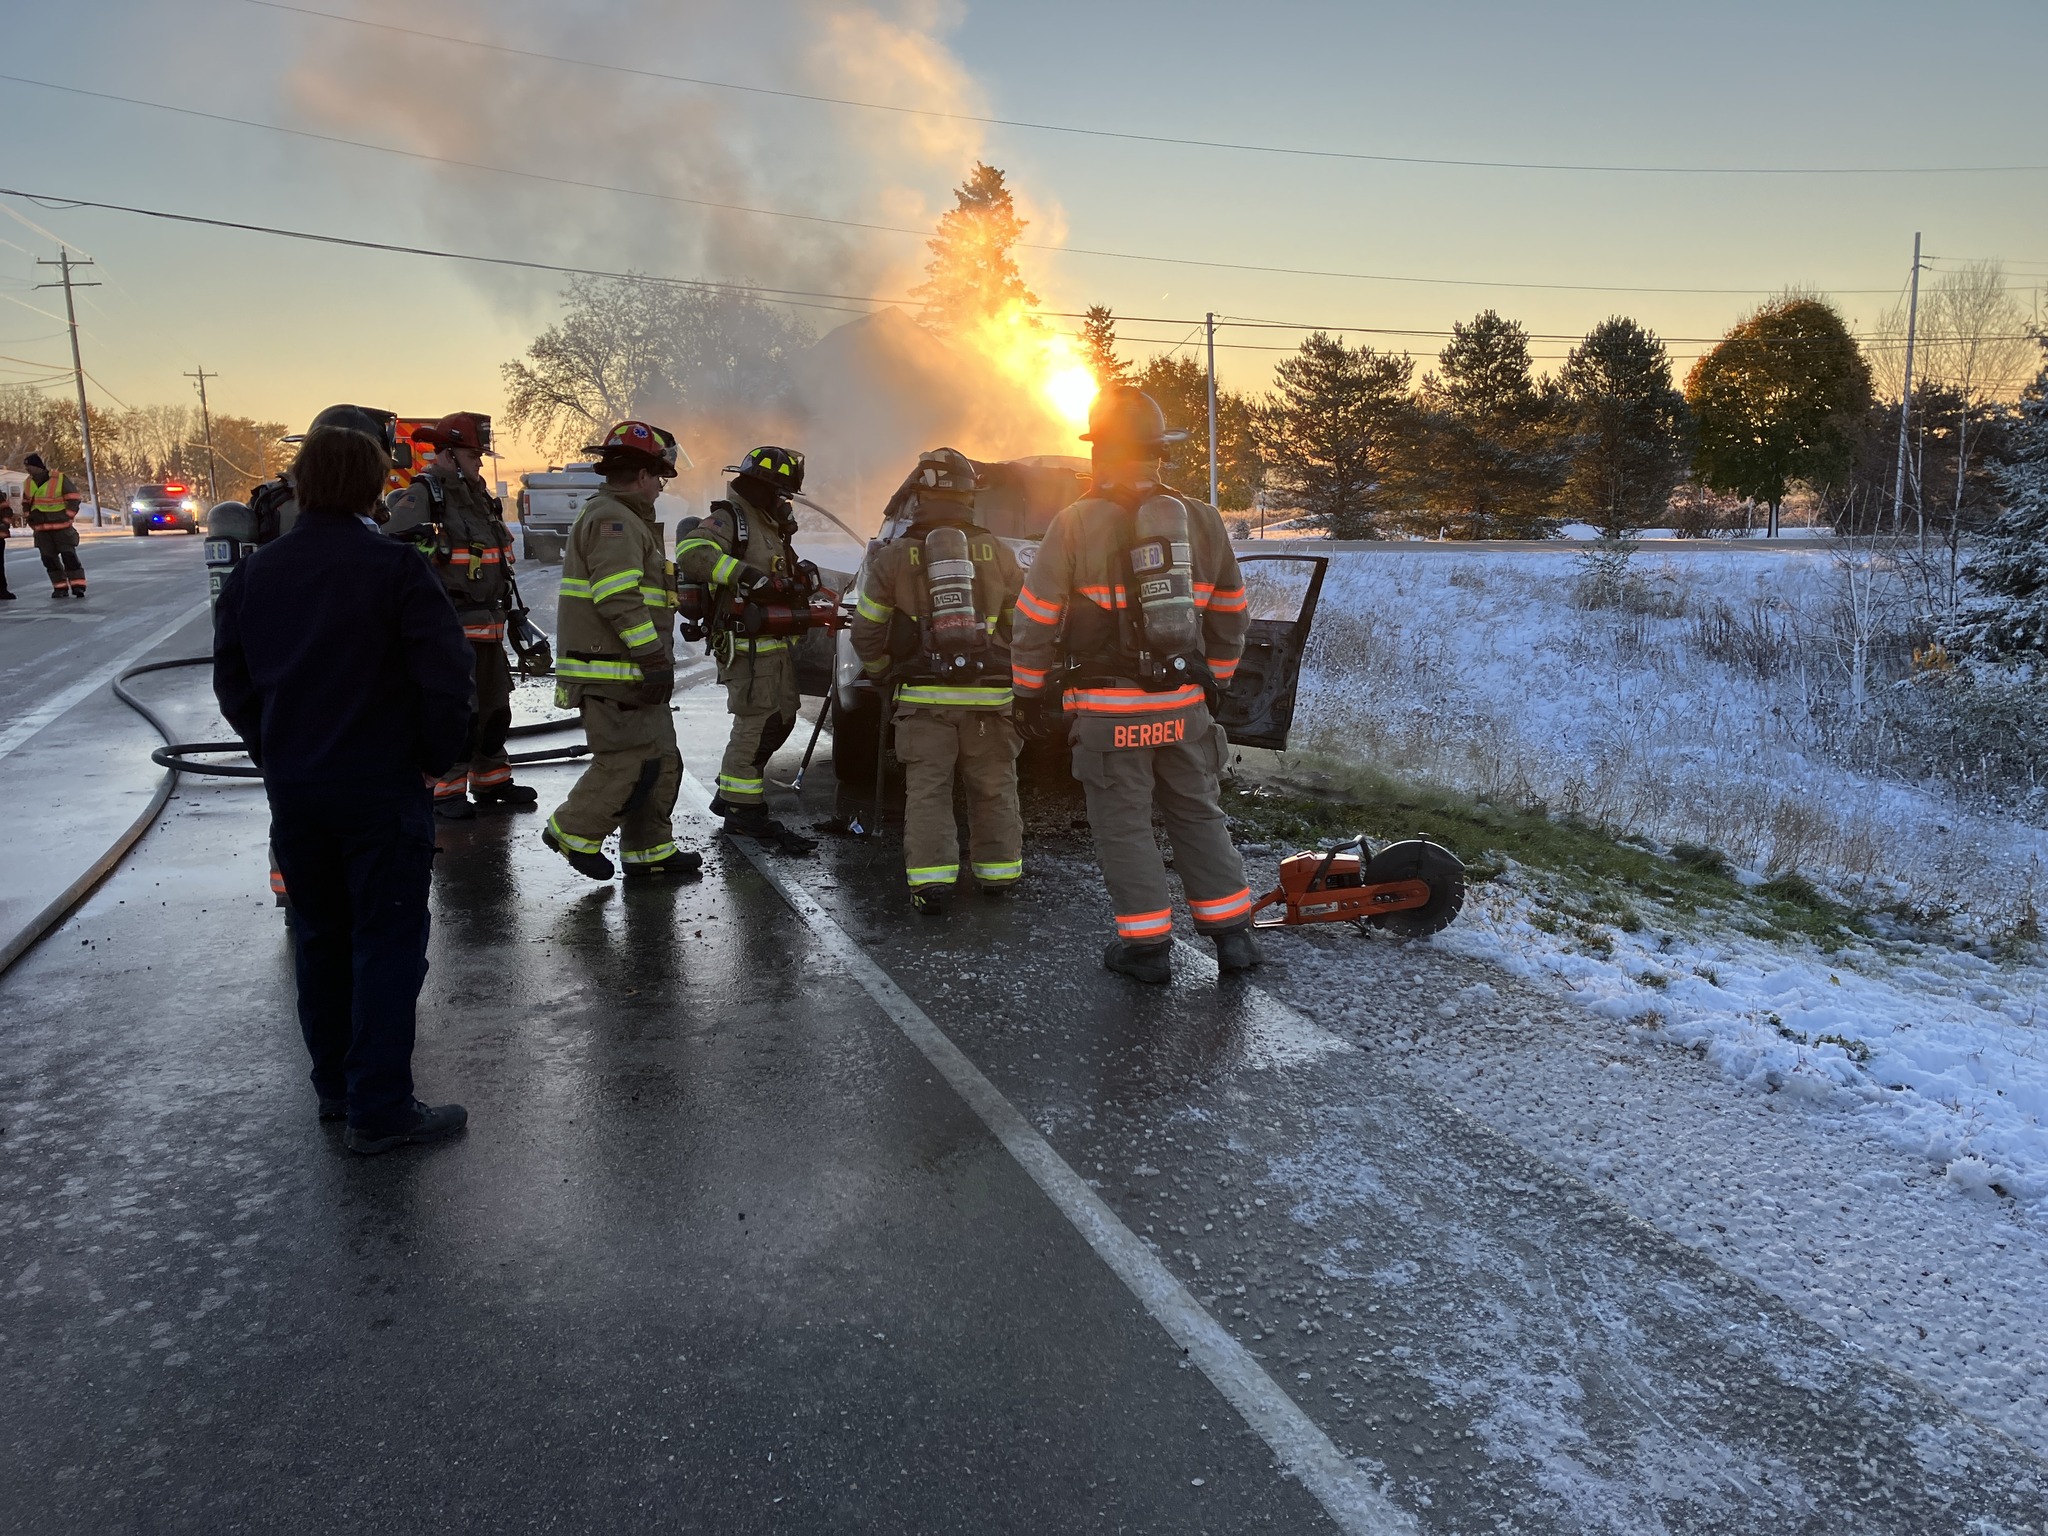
{"points": [[484, 765], [631, 783], [761, 697], [980, 745], [359, 860], [1183, 780], [59, 549]]}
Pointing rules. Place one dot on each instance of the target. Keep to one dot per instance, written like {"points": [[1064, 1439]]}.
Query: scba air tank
{"points": [[1162, 568], [954, 628]]}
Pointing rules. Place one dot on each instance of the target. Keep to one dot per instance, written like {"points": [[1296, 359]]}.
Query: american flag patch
{"points": [[614, 527]]}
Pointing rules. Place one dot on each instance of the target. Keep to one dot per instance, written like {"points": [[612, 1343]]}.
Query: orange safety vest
{"points": [[46, 509]]}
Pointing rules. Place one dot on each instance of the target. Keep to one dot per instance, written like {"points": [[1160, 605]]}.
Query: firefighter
{"points": [[617, 667], [760, 595], [460, 526], [932, 623], [1130, 624], [51, 506]]}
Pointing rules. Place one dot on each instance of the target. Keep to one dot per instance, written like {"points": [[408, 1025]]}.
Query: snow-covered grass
{"points": [[1873, 946], [1704, 711]]}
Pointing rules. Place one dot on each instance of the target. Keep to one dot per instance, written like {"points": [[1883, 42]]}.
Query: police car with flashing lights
{"points": [[167, 508], [1017, 500]]}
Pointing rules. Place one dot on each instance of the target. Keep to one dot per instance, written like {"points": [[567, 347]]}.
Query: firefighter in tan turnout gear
{"points": [[932, 623], [617, 666], [759, 601], [1130, 624], [460, 526]]}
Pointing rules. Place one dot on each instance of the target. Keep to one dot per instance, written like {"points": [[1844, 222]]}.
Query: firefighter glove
{"points": [[1038, 718], [657, 683]]}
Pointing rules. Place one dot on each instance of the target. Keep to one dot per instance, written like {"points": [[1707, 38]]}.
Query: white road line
{"points": [[1345, 1491], [44, 713]]}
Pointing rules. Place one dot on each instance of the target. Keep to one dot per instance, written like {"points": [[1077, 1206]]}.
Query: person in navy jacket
{"points": [[339, 660]]}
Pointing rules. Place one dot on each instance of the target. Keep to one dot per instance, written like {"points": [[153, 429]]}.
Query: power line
{"points": [[889, 229], [1155, 138]]}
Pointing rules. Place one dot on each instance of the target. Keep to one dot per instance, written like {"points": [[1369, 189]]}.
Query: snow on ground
{"points": [[1864, 1131], [1944, 1282], [1476, 672]]}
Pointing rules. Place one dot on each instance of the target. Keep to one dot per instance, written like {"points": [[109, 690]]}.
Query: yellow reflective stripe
{"points": [[572, 842], [876, 667], [872, 611], [996, 874], [934, 874], [577, 670], [723, 572], [652, 855], [575, 586], [763, 646], [612, 585], [657, 597], [639, 635], [740, 789], [934, 696]]}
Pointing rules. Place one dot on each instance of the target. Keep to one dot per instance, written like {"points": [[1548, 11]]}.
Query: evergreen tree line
{"points": [[1480, 447]]}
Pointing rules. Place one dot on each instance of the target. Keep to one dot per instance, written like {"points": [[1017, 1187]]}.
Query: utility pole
{"points": [[206, 420], [1906, 394], [65, 264], [1212, 408]]}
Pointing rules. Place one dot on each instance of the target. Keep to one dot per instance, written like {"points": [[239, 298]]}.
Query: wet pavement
{"points": [[723, 1250]]}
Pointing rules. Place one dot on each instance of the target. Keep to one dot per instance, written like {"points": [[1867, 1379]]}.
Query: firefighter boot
{"points": [[520, 797], [685, 863], [595, 865], [1149, 963], [932, 900], [1236, 949], [454, 808], [755, 822]]}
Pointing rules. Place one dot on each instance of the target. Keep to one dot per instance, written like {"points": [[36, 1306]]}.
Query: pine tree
{"points": [[1181, 386], [1629, 428], [1098, 342], [1494, 462], [973, 274], [2006, 621], [1339, 434]]}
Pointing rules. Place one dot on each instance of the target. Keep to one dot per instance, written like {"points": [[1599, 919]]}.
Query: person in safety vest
{"points": [[932, 623], [1131, 623], [460, 526], [617, 666], [51, 507], [760, 596], [6, 526]]}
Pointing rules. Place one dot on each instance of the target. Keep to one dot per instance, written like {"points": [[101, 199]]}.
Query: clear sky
{"points": [[290, 327]]}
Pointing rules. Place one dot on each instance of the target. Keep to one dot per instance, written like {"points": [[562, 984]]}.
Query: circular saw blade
{"points": [[1431, 863]]}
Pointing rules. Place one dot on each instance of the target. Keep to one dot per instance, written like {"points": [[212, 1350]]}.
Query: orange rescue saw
{"points": [[1413, 888]]}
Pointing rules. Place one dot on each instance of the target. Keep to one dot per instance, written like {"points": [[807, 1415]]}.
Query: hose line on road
{"points": [[174, 758]]}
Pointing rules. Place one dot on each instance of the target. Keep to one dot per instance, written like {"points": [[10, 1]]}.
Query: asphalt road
{"points": [[733, 1244]]}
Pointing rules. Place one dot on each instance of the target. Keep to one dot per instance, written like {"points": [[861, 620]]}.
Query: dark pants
{"points": [[358, 862], [3, 562], [59, 549]]}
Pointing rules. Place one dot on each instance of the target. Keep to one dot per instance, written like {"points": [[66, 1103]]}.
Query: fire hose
{"points": [[173, 757]]}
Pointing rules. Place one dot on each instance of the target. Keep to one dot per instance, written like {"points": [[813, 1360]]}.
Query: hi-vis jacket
{"points": [[894, 599], [1067, 614], [472, 550], [618, 599], [51, 505], [714, 551]]}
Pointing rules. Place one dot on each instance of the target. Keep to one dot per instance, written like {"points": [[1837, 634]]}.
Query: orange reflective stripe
{"points": [[1145, 925], [1130, 701], [1030, 678], [489, 557], [1037, 609], [1105, 597], [492, 776], [277, 883], [492, 631], [1223, 671], [1228, 600], [1223, 909]]}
